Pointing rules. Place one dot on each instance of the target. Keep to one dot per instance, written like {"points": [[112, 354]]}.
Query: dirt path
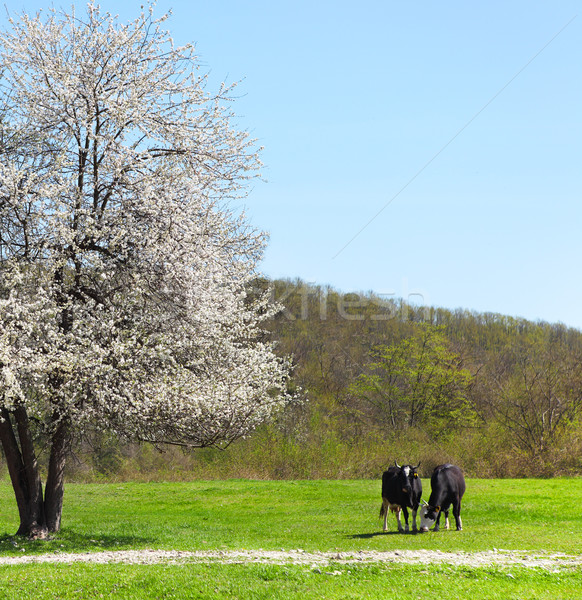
{"points": [[500, 558]]}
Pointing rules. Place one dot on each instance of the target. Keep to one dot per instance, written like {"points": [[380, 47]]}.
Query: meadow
{"points": [[533, 515]]}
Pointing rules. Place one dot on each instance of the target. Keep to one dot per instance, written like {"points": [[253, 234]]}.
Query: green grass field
{"points": [[531, 515]]}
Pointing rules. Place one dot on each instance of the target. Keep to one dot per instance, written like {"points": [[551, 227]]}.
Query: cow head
{"points": [[428, 515], [406, 476]]}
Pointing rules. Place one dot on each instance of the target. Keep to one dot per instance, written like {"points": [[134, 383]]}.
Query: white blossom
{"points": [[123, 298]]}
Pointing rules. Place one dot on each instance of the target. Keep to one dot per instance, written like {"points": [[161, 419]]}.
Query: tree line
{"points": [[500, 395]]}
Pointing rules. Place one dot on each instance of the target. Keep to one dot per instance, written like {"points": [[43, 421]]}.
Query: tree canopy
{"points": [[418, 382]]}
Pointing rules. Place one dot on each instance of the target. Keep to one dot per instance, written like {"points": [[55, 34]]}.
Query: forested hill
{"points": [[387, 380]]}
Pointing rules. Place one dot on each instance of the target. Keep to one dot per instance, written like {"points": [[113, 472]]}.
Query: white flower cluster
{"points": [[124, 275]]}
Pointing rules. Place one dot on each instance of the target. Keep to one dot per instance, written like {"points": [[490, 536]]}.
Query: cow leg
{"points": [[414, 528], [438, 518], [405, 511], [457, 515], [385, 510], [400, 529], [447, 522]]}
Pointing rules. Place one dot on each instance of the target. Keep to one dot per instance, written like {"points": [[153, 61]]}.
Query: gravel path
{"points": [[500, 558]]}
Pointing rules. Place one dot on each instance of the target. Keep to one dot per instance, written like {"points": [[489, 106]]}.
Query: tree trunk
{"points": [[38, 516], [24, 474], [37, 526], [55, 481]]}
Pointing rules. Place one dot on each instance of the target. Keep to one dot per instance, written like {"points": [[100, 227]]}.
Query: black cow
{"points": [[447, 487], [401, 490]]}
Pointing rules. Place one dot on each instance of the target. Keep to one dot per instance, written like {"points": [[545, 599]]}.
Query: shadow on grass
{"points": [[368, 536], [70, 541]]}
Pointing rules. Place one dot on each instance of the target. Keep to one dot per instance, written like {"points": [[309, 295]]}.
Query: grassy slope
{"points": [[536, 515]]}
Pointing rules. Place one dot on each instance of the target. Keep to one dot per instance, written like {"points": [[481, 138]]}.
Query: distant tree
{"points": [[123, 273], [538, 395], [417, 382]]}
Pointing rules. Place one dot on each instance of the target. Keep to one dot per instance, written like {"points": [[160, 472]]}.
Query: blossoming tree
{"points": [[123, 272]]}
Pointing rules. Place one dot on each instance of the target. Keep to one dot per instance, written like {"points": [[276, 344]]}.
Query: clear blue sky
{"points": [[430, 150]]}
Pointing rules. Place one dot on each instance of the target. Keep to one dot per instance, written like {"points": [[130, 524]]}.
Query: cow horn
{"points": [[425, 502], [397, 465], [418, 465]]}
